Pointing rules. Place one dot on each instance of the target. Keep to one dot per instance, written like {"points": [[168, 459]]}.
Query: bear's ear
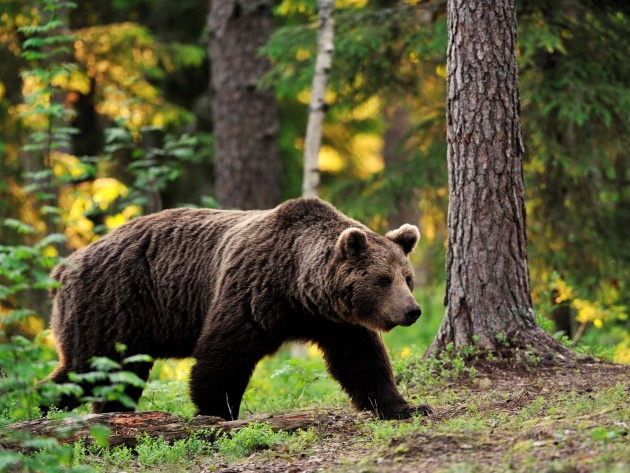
{"points": [[351, 242], [406, 237]]}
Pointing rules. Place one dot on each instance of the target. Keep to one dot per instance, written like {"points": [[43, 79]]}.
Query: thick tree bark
{"points": [[127, 427], [317, 108], [248, 164], [487, 279]]}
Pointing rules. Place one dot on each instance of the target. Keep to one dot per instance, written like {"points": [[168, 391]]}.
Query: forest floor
{"points": [[574, 418]]}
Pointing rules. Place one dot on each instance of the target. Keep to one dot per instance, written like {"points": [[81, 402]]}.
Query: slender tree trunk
{"points": [[317, 108], [248, 164], [488, 301], [317, 113]]}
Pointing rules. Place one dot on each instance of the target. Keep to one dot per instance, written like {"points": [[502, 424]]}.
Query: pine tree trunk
{"points": [[487, 279], [248, 164]]}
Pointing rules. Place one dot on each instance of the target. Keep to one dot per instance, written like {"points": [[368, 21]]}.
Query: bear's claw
{"points": [[423, 409]]}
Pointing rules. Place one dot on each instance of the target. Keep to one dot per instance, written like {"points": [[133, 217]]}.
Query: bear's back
{"points": [[152, 273]]}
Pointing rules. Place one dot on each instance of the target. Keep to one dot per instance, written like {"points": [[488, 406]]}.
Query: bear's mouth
{"points": [[387, 326]]}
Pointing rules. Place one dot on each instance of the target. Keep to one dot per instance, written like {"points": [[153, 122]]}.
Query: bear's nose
{"points": [[412, 313]]}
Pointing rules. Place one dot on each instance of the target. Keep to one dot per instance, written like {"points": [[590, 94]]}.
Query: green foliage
{"points": [[157, 451], [47, 49], [24, 363], [414, 370], [94, 457], [110, 379], [253, 438], [169, 396], [374, 50], [153, 168], [281, 383], [24, 267], [575, 98]]}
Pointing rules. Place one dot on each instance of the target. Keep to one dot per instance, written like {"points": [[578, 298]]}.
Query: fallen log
{"points": [[128, 426]]}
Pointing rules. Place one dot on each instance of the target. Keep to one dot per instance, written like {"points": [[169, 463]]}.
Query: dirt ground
{"points": [[543, 442]]}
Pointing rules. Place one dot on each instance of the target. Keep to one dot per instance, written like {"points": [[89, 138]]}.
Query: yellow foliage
{"points": [[598, 311], [622, 351], [441, 71], [405, 352], [330, 160], [588, 311], [45, 337], [50, 252], [113, 221], [304, 96], [127, 214], [107, 189], [367, 149], [565, 292], [178, 370], [75, 81], [299, 143], [28, 210], [84, 197], [313, 351], [117, 57], [30, 326], [350, 3], [430, 226], [368, 109], [67, 165], [302, 54]]}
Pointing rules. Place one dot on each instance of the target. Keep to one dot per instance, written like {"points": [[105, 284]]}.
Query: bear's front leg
{"points": [[225, 360], [358, 359]]}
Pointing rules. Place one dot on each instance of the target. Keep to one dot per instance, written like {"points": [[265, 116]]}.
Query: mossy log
{"points": [[127, 427]]}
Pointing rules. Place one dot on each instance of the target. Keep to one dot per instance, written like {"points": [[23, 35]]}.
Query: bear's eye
{"points": [[384, 281], [410, 282]]}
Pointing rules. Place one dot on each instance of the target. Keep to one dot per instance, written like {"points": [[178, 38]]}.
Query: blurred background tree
{"points": [[137, 107]]}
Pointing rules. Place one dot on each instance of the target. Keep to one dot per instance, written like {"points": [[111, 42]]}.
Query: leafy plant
{"points": [[243, 442], [157, 451]]}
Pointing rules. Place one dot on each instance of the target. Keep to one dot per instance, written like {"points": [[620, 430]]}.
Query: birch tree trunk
{"points": [[317, 108], [488, 301], [248, 164], [316, 114]]}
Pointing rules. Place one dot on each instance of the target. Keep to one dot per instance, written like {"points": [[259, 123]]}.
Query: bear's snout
{"points": [[412, 313]]}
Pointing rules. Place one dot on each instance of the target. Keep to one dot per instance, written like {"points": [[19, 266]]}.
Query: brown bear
{"points": [[228, 287]]}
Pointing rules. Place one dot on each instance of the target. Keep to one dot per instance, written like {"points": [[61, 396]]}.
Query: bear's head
{"points": [[375, 277]]}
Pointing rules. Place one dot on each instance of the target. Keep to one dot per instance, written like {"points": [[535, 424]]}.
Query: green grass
{"points": [[477, 426], [281, 383]]}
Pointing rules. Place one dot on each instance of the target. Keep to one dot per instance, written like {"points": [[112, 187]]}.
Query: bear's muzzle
{"points": [[411, 313]]}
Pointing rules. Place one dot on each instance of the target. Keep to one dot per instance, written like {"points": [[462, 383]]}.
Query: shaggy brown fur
{"points": [[228, 288]]}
